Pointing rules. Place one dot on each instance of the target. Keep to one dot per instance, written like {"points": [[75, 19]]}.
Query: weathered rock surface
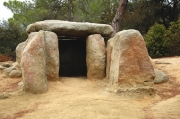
{"points": [[6, 64], [40, 47], [15, 74], [19, 50], [71, 29], [8, 70], [12, 69], [33, 65], [161, 77], [16, 65], [152, 62], [52, 56], [108, 58], [2, 68], [95, 57], [51, 50], [129, 64]]}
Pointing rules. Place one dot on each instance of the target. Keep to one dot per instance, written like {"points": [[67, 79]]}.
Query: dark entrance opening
{"points": [[72, 57]]}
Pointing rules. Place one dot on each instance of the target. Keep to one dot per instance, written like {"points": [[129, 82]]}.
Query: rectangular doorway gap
{"points": [[72, 57]]}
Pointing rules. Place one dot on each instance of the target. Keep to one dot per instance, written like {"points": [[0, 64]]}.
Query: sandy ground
{"points": [[80, 98]]}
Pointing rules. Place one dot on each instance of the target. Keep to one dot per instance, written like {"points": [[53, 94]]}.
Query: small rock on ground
{"points": [[4, 95], [161, 77], [15, 74], [7, 65]]}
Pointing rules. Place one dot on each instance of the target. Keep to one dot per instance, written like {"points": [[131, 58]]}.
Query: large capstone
{"points": [[71, 29]]}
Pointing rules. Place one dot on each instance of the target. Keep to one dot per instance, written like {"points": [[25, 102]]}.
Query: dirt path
{"points": [[169, 105], [79, 98]]}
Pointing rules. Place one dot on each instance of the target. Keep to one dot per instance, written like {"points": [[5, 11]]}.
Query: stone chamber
{"points": [[57, 48]]}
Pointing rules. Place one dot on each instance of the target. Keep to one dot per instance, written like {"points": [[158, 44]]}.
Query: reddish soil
{"points": [[4, 58]]}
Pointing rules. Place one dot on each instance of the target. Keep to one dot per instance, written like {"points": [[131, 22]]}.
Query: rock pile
{"points": [[12, 70]]}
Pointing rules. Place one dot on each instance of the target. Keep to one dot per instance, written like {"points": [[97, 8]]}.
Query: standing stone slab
{"points": [[19, 50], [33, 65], [52, 56], [108, 59], [129, 64], [21, 46], [95, 57]]}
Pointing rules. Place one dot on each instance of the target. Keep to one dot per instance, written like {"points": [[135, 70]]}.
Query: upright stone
{"points": [[95, 57], [19, 50], [52, 55], [130, 68], [21, 46], [108, 59], [33, 64]]}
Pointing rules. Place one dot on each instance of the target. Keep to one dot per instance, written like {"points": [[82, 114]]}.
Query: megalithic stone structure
{"points": [[128, 66]]}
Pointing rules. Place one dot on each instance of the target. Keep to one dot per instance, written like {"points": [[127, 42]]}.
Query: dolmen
{"points": [[125, 62]]}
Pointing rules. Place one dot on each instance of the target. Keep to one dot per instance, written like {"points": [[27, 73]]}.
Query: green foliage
{"points": [[155, 41], [12, 32], [53, 9], [97, 11], [163, 42], [26, 12], [23, 12], [140, 15], [10, 37], [173, 38]]}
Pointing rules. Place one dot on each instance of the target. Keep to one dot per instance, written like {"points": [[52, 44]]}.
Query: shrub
{"points": [[172, 38], [10, 36], [155, 41]]}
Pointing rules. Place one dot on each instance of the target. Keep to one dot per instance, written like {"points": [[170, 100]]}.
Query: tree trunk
{"points": [[70, 10], [119, 15]]}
